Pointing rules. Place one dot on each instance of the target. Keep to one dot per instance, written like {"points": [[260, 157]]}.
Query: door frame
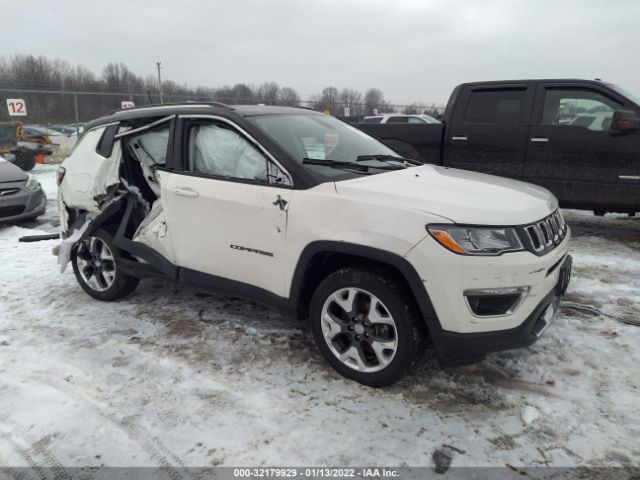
{"points": [[540, 92], [181, 145], [536, 123], [458, 127]]}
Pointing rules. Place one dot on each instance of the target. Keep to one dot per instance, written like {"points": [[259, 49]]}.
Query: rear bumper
{"points": [[464, 348]]}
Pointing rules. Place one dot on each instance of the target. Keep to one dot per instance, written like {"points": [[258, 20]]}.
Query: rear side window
{"points": [[105, 145], [372, 120], [416, 120], [494, 106]]}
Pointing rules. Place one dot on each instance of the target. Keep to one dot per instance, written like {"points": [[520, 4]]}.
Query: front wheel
{"points": [[98, 269], [364, 327]]}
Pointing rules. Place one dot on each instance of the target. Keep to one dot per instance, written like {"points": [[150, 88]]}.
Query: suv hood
{"points": [[459, 195], [10, 173]]}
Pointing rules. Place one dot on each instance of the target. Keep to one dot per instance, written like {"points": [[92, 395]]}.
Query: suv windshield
{"points": [[326, 141]]}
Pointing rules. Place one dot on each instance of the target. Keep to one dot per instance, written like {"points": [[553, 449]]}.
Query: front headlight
{"points": [[476, 240], [32, 183]]}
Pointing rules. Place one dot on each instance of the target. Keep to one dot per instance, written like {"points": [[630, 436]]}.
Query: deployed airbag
{"points": [[222, 152]]}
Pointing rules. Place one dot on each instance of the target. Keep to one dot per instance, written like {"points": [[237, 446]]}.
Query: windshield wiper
{"points": [[347, 165], [388, 158]]}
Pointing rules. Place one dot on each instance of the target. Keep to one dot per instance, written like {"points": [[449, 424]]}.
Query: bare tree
{"points": [[351, 99], [40, 73], [243, 94], [411, 109], [289, 97], [268, 93], [374, 101], [329, 100]]}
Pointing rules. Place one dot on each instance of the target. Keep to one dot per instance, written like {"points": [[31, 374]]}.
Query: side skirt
{"points": [[234, 287]]}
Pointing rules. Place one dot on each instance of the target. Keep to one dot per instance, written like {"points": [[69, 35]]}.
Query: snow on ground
{"points": [[175, 376]]}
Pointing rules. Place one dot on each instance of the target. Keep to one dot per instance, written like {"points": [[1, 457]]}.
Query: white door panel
{"points": [[228, 229]]}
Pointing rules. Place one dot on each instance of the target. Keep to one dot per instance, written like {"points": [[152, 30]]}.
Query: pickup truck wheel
{"points": [[97, 267], [364, 328]]}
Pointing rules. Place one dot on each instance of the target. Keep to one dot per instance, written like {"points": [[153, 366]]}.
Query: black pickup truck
{"points": [[578, 138]]}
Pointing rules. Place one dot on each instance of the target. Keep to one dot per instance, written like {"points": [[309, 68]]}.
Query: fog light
{"points": [[493, 302]]}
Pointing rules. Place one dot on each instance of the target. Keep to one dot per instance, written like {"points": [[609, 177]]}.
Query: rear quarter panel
{"points": [[88, 173]]}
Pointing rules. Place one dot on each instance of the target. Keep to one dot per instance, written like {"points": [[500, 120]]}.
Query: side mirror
{"points": [[625, 121]]}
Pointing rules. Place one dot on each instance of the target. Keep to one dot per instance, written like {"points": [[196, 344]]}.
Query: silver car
{"points": [[21, 195]]}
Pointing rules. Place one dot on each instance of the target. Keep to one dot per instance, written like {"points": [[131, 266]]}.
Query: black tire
{"points": [[121, 284], [408, 327], [25, 160]]}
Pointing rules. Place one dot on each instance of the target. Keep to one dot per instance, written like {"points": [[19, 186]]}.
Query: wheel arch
{"points": [[320, 258]]}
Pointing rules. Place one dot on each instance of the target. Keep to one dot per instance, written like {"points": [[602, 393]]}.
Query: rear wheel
{"points": [[364, 328], [97, 267]]}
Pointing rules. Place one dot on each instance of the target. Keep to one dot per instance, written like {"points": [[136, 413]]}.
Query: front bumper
{"points": [[446, 277], [23, 205], [463, 348], [459, 335]]}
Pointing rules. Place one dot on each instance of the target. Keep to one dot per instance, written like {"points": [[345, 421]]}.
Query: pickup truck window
{"points": [[494, 106], [581, 108]]}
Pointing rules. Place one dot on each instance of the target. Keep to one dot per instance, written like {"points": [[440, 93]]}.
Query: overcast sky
{"points": [[414, 50]]}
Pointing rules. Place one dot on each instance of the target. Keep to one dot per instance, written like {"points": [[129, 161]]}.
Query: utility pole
{"points": [[159, 81]]}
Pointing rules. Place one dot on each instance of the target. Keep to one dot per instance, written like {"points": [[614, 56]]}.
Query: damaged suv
{"points": [[381, 254]]}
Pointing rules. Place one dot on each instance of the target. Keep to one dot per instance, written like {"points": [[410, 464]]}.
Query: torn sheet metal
{"points": [[91, 179], [136, 191], [153, 231], [64, 249]]}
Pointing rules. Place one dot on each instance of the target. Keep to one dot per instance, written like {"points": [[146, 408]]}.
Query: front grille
{"points": [[545, 235], [11, 211]]}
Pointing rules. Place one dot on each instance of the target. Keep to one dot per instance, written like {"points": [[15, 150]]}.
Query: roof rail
{"points": [[177, 104]]}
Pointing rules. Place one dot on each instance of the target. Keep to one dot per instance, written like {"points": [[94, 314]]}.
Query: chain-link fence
{"points": [[66, 108], [60, 114]]}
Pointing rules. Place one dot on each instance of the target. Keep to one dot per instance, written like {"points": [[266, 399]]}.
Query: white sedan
{"points": [[396, 118]]}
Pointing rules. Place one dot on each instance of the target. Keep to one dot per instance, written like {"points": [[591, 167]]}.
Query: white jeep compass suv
{"points": [[288, 206]]}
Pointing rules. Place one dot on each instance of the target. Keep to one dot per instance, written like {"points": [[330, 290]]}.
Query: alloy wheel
{"points": [[96, 264], [359, 329]]}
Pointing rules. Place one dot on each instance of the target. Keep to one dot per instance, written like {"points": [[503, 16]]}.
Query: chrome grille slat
{"points": [[547, 233], [8, 191], [554, 228], [536, 237]]}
